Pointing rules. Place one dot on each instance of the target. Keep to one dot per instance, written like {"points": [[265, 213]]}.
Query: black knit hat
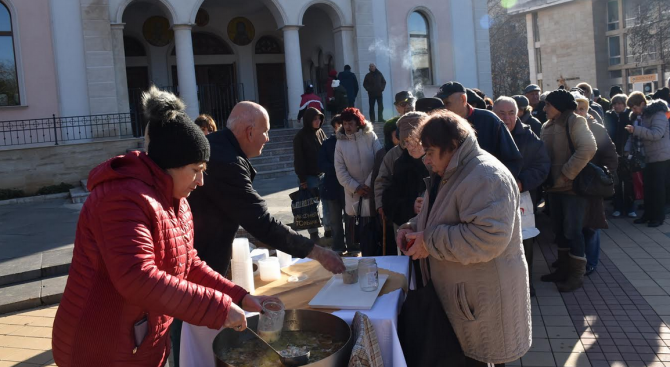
{"points": [[562, 100], [174, 140], [429, 104], [615, 90]]}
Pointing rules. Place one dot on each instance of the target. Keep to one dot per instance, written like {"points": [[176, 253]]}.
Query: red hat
{"points": [[332, 73]]}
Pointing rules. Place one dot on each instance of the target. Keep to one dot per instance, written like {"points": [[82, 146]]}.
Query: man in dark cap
{"points": [[532, 92], [428, 105], [567, 208], [349, 81], [604, 102], [492, 135], [526, 114], [475, 100], [404, 102]]}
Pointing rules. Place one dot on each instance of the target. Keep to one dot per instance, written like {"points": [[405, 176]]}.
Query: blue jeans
{"points": [[567, 218], [316, 182], [592, 247], [333, 210]]}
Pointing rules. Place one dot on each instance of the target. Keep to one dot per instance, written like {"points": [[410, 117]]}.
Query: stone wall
{"points": [[567, 44], [29, 169]]}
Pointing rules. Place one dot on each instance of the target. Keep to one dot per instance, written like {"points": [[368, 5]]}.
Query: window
{"points": [[536, 28], [9, 82], [208, 44], [614, 44], [132, 47], [612, 15], [268, 45], [419, 45], [633, 56], [631, 12], [538, 60], [614, 74]]}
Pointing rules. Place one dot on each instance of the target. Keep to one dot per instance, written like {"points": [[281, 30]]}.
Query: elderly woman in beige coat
{"points": [[469, 233]]}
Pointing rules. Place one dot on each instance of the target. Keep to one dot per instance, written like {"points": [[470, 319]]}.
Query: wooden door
{"points": [[272, 92]]}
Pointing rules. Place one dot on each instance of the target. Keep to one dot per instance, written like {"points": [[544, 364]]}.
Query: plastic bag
{"points": [[305, 208]]}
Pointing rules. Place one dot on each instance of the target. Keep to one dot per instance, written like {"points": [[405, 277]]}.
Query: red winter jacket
{"points": [[134, 258]]}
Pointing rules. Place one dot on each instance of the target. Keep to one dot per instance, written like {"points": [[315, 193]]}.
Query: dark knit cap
{"points": [[562, 100], [615, 90], [429, 104], [521, 101], [475, 100], [174, 140]]}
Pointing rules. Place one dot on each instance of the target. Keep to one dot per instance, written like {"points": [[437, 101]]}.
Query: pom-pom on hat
{"points": [[174, 140]]}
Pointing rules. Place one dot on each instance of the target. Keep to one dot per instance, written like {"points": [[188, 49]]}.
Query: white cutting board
{"points": [[336, 294]]}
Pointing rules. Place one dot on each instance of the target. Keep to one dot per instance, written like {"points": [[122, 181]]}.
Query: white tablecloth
{"points": [[196, 341]]}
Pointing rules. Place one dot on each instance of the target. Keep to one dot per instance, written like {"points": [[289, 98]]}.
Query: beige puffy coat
{"points": [[477, 265]]}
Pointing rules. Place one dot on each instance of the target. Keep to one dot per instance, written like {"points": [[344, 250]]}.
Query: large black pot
{"points": [[295, 320]]}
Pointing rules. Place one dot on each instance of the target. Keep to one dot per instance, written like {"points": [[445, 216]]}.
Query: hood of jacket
{"points": [[136, 165], [365, 129], [308, 117], [654, 107]]}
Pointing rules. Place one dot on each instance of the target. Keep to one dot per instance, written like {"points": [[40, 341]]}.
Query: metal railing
{"points": [[55, 130]]}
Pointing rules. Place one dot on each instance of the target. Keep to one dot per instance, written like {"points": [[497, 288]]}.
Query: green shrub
{"points": [[6, 194], [54, 189]]}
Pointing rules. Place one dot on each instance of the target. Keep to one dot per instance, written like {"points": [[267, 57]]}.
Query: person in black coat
{"points": [[533, 93], [349, 81], [616, 120], [526, 114], [333, 192], [228, 199], [492, 135]]}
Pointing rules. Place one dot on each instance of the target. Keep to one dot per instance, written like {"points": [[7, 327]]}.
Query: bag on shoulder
{"points": [[593, 180]]}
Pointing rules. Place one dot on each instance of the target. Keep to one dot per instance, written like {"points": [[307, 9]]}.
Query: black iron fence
{"points": [[55, 130], [216, 100]]}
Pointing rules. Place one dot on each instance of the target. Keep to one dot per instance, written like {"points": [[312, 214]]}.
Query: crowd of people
{"points": [[444, 188]]}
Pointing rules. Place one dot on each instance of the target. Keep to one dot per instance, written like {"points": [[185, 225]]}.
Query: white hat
{"points": [[335, 84]]}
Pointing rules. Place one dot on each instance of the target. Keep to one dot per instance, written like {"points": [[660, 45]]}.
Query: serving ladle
{"points": [[296, 361]]}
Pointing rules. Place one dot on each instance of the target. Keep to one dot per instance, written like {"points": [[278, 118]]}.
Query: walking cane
{"points": [[383, 236]]}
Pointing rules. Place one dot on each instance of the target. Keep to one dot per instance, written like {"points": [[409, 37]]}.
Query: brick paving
{"points": [[620, 318]]}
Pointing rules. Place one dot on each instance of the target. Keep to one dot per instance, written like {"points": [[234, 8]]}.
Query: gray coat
{"points": [[654, 132], [473, 235], [385, 175]]}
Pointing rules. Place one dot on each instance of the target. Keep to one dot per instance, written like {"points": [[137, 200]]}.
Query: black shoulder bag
{"points": [[593, 180]]}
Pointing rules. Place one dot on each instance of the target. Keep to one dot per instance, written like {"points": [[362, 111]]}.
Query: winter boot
{"points": [[576, 269], [561, 273], [528, 250]]}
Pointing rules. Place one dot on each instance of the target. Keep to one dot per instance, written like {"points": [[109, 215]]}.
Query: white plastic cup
{"points": [[269, 269], [284, 259], [243, 274], [241, 249]]}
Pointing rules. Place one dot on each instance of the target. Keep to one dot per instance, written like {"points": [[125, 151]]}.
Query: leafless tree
{"points": [[649, 38], [509, 50]]}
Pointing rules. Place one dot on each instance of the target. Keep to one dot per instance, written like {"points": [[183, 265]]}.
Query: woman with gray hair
{"points": [[468, 234]]}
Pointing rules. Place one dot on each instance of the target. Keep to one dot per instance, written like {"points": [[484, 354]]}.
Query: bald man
{"points": [[228, 199]]}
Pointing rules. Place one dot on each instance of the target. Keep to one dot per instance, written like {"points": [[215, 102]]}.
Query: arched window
{"points": [[132, 47], [268, 45], [419, 45], [9, 81], [208, 44]]}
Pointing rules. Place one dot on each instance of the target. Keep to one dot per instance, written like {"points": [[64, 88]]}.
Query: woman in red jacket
{"points": [[134, 267]]}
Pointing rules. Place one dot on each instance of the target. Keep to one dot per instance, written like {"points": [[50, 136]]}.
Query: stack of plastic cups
{"points": [[284, 259], [242, 268]]}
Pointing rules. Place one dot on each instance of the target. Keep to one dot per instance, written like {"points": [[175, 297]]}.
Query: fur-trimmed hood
{"points": [[366, 129], [654, 107]]}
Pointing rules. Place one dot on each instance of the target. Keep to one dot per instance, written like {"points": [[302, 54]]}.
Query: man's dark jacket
{"points": [[493, 137], [306, 145], [228, 200], [536, 162], [406, 185], [332, 190], [349, 81], [538, 112], [531, 121], [374, 83], [615, 123]]}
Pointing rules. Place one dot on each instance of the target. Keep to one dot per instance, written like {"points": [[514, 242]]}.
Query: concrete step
{"points": [[78, 195], [274, 173], [84, 184], [277, 151], [271, 158], [265, 167], [41, 265], [31, 294]]}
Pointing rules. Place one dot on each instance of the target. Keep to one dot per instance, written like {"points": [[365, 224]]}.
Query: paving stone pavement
{"points": [[620, 318]]}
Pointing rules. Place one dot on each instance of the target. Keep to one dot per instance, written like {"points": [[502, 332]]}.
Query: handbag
{"points": [[425, 333], [364, 234], [593, 180], [637, 161]]}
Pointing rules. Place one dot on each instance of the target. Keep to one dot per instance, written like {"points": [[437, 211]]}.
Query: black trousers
{"points": [[654, 176], [624, 195], [380, 107]]}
